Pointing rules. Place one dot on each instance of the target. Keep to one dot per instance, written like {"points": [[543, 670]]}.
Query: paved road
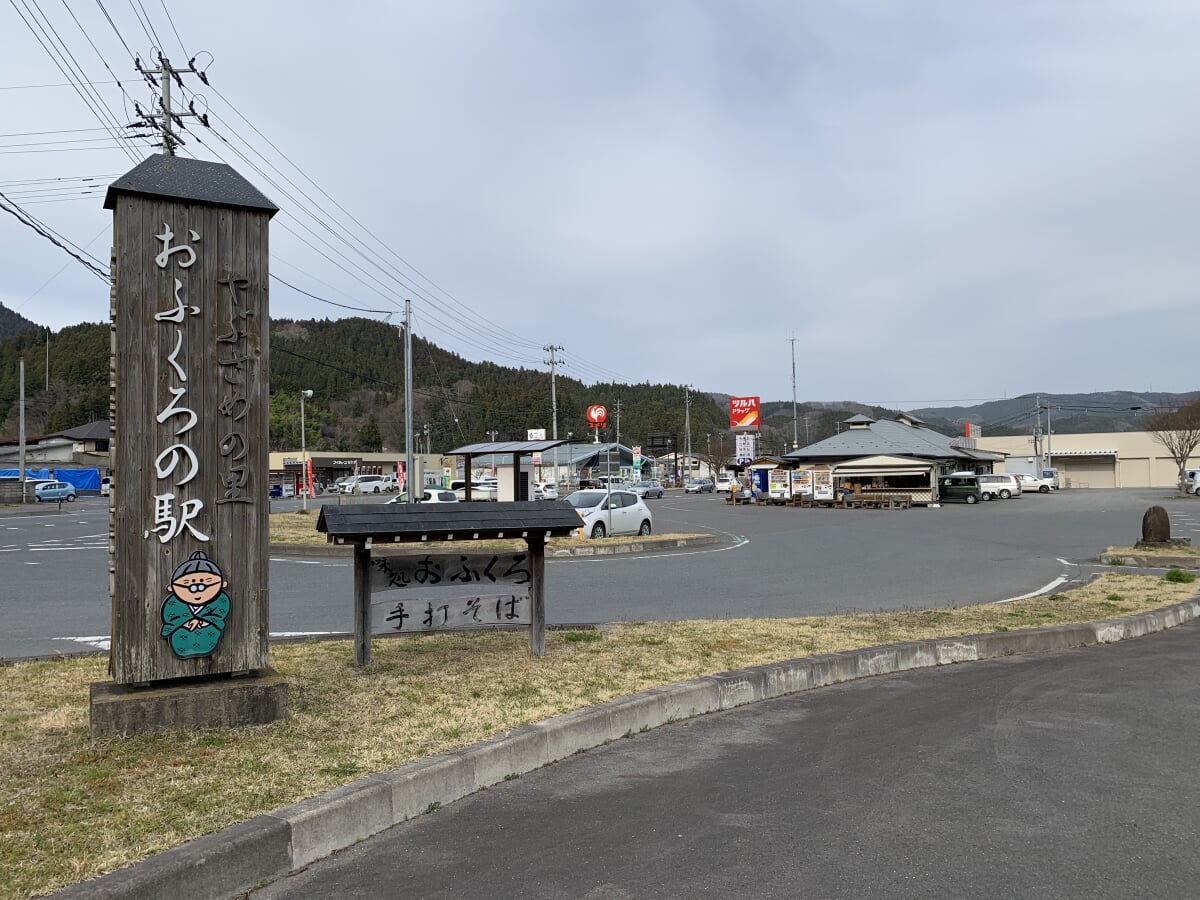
{"points": [[1068, 775], [776, 562]]}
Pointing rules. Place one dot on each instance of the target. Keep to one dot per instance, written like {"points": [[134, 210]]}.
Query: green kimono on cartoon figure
{"points": [[194, 612]]}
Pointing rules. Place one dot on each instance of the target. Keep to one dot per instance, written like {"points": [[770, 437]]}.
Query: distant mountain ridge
{"points": [[1069, 413], [12, 323]]}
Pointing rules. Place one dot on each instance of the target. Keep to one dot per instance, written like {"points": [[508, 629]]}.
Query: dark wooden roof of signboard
{"points": [[505, 447], [402, 523], [190, 181]]}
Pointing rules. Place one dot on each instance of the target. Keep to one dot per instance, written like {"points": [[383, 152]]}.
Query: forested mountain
{"points": [[12, 324], [355, 369]]}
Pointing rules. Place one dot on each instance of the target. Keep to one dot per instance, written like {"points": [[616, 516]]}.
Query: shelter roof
{"points": [[886, 437], [505, 447], [419, 522]]}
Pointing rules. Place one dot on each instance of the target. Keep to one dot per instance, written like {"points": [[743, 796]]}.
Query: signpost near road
{"points": [[189, 534]]}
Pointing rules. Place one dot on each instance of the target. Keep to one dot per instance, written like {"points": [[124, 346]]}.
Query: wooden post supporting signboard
{"points": [[537, 594]]}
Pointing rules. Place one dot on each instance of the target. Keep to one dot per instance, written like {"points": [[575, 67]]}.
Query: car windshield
{"points": [[587, 499]]}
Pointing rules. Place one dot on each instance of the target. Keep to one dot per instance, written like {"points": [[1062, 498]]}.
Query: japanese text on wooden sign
{"points": [[449, 591]]}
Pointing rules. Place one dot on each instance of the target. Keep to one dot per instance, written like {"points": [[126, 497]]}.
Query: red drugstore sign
{"points": [[743, 413], [596, 416]]}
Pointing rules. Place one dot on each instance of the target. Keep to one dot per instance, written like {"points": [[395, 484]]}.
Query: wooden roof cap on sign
{"points": [[190, 181], [402, 523]]}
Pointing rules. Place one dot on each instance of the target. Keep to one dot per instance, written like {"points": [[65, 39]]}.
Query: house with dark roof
{"points": [[892, 455], [85, 445]]}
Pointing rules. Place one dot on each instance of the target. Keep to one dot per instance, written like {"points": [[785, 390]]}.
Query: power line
{"points": [[323, 300], [29, 221]]}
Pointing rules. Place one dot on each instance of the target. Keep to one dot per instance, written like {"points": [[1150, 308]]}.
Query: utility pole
{"points": [[1049, 453], [687, 427], [21, 430], [552, 362], [618, 442], [166, 117], [410, 488], [795, 427], [304, 395], [47, 359]]}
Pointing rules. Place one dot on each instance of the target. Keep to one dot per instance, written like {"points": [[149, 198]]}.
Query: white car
{"points": [[365, 484], [544, 490], [606, 512], [725, 481], [429, 495], [1034, 484]]}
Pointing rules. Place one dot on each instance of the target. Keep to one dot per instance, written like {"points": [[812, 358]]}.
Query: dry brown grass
{"points": [[1152, 553], [73, 808]]}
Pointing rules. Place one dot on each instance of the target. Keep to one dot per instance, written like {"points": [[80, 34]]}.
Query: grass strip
{"points": [[71, 808]]}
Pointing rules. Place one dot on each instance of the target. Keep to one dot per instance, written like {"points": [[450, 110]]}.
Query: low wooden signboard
{"points": [[449, 592]]}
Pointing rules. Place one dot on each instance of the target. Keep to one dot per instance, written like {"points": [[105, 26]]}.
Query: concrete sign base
{"points": [[230, 702]]}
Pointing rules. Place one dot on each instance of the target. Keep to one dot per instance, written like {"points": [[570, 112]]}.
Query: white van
{"points": [[1191, 481]]}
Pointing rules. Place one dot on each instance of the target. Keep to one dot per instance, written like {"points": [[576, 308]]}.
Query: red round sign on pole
{"points": [[596, 416]]}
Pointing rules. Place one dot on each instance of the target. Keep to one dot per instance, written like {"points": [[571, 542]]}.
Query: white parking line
{"points": [[1044, 590]]}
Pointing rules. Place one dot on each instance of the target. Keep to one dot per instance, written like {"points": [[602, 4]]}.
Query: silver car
{"points": [[648, 490], [617, 512]]}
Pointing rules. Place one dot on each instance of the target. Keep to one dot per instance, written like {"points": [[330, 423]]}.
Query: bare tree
{"points": [[1179, 432]]}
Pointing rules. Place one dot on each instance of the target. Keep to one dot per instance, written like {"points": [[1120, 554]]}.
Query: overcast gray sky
{"points": [[940, 201]]}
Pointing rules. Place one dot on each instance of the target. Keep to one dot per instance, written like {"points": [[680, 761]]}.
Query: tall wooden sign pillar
{"points": [[189, 525]]}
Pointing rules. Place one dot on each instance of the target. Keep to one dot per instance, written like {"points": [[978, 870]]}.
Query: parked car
{"points": [[545, 490], [105, 487], [648, 490], [1191, 481], [698, 486], [365, 484], [339, 486], [725, 481], [429, 495], [998, 485], [480, 490], [616, 482], [994, 486], [54, 490], [1034, 484], [952, 488], [605, 512]]}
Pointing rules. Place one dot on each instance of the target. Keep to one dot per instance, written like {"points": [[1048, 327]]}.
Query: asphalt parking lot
{"points": [[773, 561]]}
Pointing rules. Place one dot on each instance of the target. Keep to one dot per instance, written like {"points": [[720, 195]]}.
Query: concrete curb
{"points": [[270, 846], [633, 545]]}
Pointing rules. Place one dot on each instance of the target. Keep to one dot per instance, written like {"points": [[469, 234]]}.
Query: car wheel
{"points": [[38, 499], [1005, 493], [70, 498], [971, 498], [985, 496], [598, 530], [645, 529], [1044, 489]]}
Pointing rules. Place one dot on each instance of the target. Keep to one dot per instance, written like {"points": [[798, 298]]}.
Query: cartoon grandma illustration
{"points": [[194, 613]]}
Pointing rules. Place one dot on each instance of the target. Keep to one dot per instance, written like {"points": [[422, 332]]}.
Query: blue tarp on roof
{"points": [[83, 479]]}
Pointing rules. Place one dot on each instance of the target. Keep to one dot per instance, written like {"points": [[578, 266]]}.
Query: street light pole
{"points": [[304, 451]]}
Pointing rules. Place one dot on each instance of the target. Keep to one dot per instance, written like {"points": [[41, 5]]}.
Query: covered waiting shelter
{"points": [[887, 474], [517, 449]]}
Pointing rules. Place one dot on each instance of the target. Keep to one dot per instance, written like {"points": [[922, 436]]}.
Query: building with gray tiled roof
{"points": [[904, 436]]}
